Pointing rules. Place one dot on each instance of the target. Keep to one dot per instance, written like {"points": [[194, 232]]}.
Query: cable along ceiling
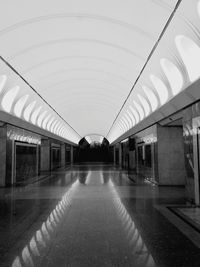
{"points": [[83, 58]]}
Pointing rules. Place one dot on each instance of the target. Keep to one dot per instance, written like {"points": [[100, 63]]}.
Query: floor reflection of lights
{"points": [[101, 178], [88, 178], [32, 253], [94, 178], [150, 180], [39, 242], [142, 256]]}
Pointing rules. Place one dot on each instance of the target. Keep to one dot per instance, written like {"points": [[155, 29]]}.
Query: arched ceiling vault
{"points": [[83, 58]]}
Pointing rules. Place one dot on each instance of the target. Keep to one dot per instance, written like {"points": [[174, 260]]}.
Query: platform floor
{"points": [[93, 215]]}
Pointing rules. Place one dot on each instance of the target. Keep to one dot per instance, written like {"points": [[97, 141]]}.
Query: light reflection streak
{"points": [[101, 178], [39, 241], [150, 180], [142, 257], [88, 178]]}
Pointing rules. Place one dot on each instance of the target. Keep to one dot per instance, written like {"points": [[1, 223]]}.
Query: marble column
{"points": [[45, 155], [72, 155], [3, 139], [120, 155], [171, 164], [114, 154], [63, 161]]}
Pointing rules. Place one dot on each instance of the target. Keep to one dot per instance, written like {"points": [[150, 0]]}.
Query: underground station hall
{"points": [[99, 133]]}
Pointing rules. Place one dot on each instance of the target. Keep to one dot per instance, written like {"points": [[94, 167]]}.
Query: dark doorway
{"points": [[25, 161], [94, 152]]}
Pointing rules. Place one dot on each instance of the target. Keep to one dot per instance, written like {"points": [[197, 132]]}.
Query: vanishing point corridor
{"points": [[92, 215], [100, 133]]}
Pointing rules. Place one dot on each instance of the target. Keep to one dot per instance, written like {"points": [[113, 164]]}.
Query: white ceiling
{"points": [[82, 57]]}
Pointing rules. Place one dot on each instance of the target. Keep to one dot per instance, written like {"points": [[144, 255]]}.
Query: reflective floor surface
{"points": [[92, 216]]}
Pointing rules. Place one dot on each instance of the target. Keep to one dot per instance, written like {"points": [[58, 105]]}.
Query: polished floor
{"points": [[93, 215]]}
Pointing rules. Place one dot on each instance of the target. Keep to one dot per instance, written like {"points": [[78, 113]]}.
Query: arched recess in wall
{"points": [[135, 114], [173, 75], [121, 127], [160, 88], [151, 97], [53, 125], [132, 117], [61, 129], [40, 118], [139, 109], [57, 127], [28, 110], [49, 123], [9, 97], [35, 115], [45, 121], [20, 105], [145, 104], [125, 123], [3, 79], [129, 120], [190, 54]]}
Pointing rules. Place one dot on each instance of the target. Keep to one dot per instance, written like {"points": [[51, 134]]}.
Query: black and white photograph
{"points": [[99, 133]]}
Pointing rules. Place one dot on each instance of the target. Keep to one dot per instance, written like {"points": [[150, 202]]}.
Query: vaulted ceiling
{"points": [[83, 57]]}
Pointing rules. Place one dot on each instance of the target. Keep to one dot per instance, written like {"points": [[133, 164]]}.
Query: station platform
{"points": [[95, 215]]}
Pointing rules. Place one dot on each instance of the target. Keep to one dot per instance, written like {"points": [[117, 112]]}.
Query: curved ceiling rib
{"points": [[75, 80], [79, 40], [118, 76], [87, 97], [88, 90], [89, 101], [123, 24], [53, 60]]}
